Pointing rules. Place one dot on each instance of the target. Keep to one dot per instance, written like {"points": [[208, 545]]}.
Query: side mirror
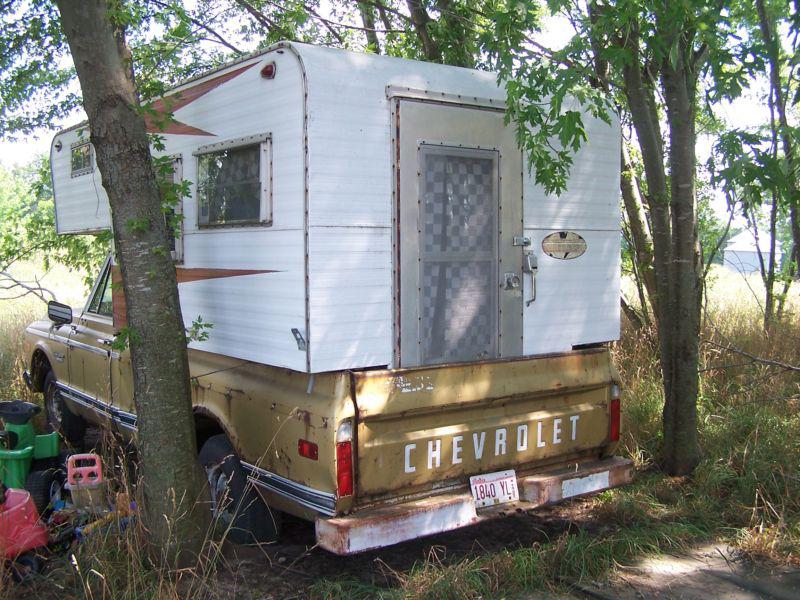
{"points": [[58, 313]]}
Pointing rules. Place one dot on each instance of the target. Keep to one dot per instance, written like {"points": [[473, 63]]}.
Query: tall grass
{"points": [[746, 490]]}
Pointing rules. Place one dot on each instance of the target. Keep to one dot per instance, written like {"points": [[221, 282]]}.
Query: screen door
{"points": [[457, 254], [460, 207]]}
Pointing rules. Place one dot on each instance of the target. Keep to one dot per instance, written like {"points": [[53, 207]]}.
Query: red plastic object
{"points": [[84, 469], [20, 529]]}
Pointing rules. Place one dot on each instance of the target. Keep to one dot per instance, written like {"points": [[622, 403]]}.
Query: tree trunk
{"points": [[681, 451], [173, 483], [420, 19], [642, 244], [368, 20], [640, 94], [767, 26]]}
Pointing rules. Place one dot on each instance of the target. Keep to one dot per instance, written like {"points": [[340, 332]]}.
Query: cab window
{"points": [[101, 303]]}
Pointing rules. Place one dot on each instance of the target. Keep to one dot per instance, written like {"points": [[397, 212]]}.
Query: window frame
{"points": [[103, 283], [264, 142]]}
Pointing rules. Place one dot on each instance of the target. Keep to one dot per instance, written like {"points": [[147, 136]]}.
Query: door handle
{"points": [[530, 265]]}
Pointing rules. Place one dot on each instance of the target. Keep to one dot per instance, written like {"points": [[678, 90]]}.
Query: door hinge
{"points": [[521, 240]]}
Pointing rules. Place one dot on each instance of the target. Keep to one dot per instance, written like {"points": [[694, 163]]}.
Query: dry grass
{"points": [[745, 491]]}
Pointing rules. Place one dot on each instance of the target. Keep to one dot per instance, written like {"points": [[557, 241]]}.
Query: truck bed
{"points": [[426, 429]]}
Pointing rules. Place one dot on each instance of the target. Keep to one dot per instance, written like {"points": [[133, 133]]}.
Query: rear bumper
{"points": [[387, 525]]}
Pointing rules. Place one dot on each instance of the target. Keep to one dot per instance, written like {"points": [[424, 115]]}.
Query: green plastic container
{"points": [[14, 466], [45, 446]]}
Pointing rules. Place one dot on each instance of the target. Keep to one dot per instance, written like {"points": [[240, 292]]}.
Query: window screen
{"points": [[81, 159], [230, 186], [458, 254]]}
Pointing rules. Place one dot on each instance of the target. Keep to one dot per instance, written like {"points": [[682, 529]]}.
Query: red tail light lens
{"points": [[613, 420], [344, 468], [308, 449]]}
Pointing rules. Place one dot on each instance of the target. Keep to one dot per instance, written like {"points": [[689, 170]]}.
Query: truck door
{"points": [[458, 235], [90, 350]]}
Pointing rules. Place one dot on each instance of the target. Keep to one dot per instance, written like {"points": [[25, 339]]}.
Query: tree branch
{"points": [[759, 359], [219, 38], [37, 290]]}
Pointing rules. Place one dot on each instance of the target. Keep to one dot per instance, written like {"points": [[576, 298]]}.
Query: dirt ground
{"points": [[287, 569]]}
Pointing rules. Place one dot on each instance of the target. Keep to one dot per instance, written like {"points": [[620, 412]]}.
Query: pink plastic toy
{"points": [[84, 470]]}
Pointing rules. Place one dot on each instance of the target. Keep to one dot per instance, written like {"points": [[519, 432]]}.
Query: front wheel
{"points": [[237, 508], [59, 417]]}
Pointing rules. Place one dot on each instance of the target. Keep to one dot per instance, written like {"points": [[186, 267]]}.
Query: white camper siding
{"points": [[253, 315], [351, 297], [326, 259], [577, 300], [591, 200], [82, 205], [350, 196]]}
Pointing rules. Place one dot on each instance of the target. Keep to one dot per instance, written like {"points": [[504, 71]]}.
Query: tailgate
{"points": [[425, 427]]}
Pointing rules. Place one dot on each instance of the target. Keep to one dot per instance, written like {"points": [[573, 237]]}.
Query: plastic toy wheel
{"points": [[45, 488], [25, 566], [59, 417], [238, 510]]}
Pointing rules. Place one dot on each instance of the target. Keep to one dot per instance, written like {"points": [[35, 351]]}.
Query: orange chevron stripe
{"points": [[158, 123]]}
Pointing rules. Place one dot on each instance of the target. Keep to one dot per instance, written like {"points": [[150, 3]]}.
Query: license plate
{"points": [[584, 485], [494, 488]]}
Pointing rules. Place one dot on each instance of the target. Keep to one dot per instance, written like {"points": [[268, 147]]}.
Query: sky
{"points": [[748, 111]]}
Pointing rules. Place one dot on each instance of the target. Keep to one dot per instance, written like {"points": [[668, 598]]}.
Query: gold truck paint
{"points": [[465, 419], [419, 433]]}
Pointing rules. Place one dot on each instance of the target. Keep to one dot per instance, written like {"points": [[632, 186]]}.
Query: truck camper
{"points": [[409, 335]]}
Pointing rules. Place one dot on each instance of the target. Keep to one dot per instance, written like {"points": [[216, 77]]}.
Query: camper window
{"points": [[233, 185], [81, 159]]}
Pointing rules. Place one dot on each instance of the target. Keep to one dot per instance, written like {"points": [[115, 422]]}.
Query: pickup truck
{"points": [[373, 457]]}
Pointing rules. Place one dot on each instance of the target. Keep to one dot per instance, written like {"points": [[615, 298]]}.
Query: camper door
{"points": [[459, 245]]}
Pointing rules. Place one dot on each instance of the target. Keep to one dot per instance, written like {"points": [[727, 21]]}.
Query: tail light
{"points": [[344, 459], [614, 414], [308, 449]]}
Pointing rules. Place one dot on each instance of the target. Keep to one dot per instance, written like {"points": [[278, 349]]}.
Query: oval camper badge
{"points": [[564, 245]]}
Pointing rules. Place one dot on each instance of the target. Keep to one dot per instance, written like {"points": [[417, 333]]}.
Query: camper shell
{"points": [[380, 269]]}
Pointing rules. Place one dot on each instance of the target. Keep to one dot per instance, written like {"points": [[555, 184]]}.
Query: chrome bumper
{"points": [[388, 525]]}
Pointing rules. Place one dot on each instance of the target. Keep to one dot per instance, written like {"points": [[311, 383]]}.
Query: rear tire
{"points": [[59, 417], [46, 488], [238, 510]]}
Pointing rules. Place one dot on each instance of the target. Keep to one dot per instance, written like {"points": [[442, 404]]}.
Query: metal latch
{"points": [[521, 240], [298, 337], [512, 281]]}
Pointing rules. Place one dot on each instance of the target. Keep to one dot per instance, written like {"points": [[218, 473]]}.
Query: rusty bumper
{"points": [[379, 527]]}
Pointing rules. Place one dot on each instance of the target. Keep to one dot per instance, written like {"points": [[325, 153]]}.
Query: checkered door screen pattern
{"points": [[458, 255]]}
